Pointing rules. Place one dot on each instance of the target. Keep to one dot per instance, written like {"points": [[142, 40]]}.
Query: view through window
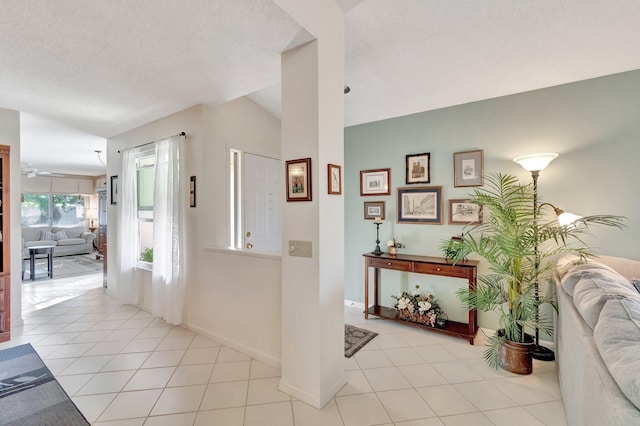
{"points": [[52, 210], [145, 176]]}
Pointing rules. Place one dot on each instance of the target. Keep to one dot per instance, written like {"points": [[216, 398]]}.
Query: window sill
{"points": [[240, 252], [147, 266]]}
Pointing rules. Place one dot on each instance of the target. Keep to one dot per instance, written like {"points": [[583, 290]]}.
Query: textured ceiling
{"points": [[99, 68]]}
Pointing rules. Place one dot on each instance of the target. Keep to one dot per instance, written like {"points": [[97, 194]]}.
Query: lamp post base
{"points": [[377, 251], [542, 353]]}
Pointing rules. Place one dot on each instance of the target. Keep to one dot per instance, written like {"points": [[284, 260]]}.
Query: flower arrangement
{"points": [[395, 243], [419, 308]]}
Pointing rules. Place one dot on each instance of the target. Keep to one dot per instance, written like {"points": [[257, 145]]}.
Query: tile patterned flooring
{"points": [[122, 367]]}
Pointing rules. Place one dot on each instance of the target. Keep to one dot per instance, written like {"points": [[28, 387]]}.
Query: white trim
{"points": [[353, 304], [239, 252], [260, 356], [317, 401]]}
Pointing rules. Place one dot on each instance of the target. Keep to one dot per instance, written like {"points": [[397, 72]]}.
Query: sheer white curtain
{"points": [[167, 278], [127, 191]]}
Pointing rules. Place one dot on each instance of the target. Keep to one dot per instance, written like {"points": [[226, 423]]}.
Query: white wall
{"points": [[231, 297], [234, 298]]}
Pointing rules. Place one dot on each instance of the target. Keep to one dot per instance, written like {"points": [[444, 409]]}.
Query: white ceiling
{"points": [[93, 69]]}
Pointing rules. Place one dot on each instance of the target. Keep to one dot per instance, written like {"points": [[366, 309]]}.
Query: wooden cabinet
{"points": [[5, 255], [101, 236], [420, 265]]}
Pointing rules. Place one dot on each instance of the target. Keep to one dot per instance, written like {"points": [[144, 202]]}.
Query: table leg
{"points": [[50, 263], [32, 266], [366, 289]]}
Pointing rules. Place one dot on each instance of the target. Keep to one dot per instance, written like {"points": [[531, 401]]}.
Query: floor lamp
{"points": [[535, 163]]}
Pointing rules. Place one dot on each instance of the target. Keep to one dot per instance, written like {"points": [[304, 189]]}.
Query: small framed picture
{"points": [[114, 189], [334, 173], [373, 209], [420, 205], [375, 182], [418, 168], [192, 191], [298, 179], [463, 212], [468, 168]]}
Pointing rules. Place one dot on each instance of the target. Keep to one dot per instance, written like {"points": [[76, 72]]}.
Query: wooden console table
{"points": [[420, 265]]}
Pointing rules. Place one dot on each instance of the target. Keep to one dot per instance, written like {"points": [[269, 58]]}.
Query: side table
{"points": [[36, 250]]}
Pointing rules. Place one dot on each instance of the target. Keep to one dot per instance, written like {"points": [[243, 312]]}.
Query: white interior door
{"points": [[262, 200]]}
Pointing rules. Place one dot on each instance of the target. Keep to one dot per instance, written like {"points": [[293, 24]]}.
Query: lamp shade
{"points": [[535, 162], [567, 219]]}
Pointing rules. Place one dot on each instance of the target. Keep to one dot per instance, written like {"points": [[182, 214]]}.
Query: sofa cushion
{"points": [[47, 236], [61, 235], [71, 231], [617, 336], [594, 289], [71, 241], [636, 284], [585, 270], [33, 234]]}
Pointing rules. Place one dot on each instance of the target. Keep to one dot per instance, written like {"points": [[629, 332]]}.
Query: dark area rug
{"points": [[30, 395], [355, 338]]}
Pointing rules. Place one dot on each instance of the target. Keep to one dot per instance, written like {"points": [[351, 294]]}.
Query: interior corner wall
{"points": [[10, 135], [230, 297], [235, 296], [592, 124]]}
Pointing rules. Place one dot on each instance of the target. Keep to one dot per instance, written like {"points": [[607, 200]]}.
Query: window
{"points": [[52, 210], [145, 176]]}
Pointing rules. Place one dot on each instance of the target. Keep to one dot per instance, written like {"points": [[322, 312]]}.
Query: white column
{"points": [[313, 288]]}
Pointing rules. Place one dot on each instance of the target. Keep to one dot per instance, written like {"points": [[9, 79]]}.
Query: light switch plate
{"points": [[300, 248]]}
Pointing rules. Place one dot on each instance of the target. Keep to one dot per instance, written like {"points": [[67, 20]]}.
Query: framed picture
{"points": [[463, 212], [299, 179], [373, 209], [468, 168], [114, 189], [375, 182], [334, 173], [418, 170], [420, 205], [192, 191]]}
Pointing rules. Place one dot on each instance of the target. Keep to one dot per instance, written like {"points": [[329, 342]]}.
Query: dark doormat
{"points": [[30, 395], [355, 338]]}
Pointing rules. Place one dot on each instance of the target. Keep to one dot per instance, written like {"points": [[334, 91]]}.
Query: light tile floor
{"points": [[124, 368]]}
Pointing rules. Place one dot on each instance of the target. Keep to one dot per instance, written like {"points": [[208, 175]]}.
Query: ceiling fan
{"points": [[29, 171]]}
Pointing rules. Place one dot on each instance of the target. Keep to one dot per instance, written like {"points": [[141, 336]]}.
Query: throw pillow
{"points": [[61, 235], [47, 236], [636, 284]]}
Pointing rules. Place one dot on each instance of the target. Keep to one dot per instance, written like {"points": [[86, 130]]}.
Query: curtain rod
{"points": [[149, 143]]}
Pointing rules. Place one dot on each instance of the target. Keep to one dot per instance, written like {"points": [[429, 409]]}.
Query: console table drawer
{"points": [[447, 270], [398, 265]]}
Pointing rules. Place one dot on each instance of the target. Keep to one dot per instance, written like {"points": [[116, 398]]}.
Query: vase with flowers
{"points": [[394, 245], [419, 308]]}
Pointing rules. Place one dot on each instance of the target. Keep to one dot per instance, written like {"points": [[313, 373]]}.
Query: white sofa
{"points": [[597, 340], [78, 240]]}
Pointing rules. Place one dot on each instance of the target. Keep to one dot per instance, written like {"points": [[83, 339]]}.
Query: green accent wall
{"points": [[594, 125]]}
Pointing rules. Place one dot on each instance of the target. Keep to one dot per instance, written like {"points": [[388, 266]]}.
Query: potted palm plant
{"points": [[518, 248]]}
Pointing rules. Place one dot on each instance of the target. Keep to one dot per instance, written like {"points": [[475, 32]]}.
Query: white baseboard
{"points": [[233, 344], [353, 304]]}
